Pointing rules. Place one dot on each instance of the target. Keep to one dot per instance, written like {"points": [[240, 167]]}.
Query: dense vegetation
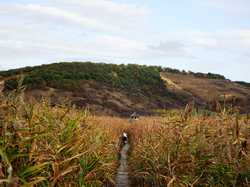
{"points": [[246, 84], [53, 146], [191, 149], [198, 74], [43, 146], [65, 76]]}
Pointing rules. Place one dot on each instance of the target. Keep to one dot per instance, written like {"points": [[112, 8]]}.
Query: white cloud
{"points": [[120, 15], [98, 15], [55, 30], [187, 44], [171, 48], [38, 12], [67, 15], [104, 7], [29, 44], [195, 43]]}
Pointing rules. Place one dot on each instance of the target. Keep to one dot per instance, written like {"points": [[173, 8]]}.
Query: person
{"points": [[134, 116], [124, 138]]}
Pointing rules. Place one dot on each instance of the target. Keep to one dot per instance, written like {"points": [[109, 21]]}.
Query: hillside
{"points": [[102, 88], [208, 91], [122, 89]]}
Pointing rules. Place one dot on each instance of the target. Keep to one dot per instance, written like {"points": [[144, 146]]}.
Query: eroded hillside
{"points": [[207, 91]]}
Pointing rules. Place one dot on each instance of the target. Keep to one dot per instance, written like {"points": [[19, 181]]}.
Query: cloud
{"points": [[195, 44], [123, 15], [97, 15], [107, 7], [170, 48], [39, 12], [184, 45], [45, 31], [29, 44], [66, 15]]}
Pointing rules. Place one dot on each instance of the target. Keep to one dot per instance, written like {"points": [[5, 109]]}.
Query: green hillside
{"points": [[130, 77]]}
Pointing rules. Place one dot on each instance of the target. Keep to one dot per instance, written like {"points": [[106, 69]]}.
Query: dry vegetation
{"points": [[45, 146], [196, 151], [42, 145], [206, 89]]}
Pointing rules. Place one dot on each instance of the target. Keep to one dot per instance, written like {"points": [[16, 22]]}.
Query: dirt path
{"points": [[171, 83], [122, 177]]}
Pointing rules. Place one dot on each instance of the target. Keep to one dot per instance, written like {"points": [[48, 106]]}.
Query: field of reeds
{"points": [[198, 150], [41, 145]]}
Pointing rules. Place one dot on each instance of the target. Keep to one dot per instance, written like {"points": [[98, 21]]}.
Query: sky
{"points": [[197, 35]]}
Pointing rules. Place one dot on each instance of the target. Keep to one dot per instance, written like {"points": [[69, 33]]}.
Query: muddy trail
{"points": [[122, 176]]}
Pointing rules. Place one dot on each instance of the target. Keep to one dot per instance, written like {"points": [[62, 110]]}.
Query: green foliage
{"points": [[198, 74], [87, 166], [14, 72], [208, 75], [202, 151], [10, 84], [215, 174], [130, 77], [42, 145], [246, 84]]}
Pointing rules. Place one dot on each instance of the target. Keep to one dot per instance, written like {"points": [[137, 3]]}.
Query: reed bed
{"points": [[197, 150], [41, 145]]}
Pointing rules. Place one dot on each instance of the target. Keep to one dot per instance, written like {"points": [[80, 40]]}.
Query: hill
{"points": [[121, 89], [103, 88], [209, 91]]}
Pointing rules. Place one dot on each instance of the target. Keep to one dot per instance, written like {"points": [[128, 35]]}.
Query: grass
{"points": [[198, 151], [42, 145], [59, 146]]}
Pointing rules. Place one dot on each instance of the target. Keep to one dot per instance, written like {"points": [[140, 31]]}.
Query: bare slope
{"points": [[204, 90]]}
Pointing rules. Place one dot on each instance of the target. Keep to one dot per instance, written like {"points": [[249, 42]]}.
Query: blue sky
{"points": [[196, 35]]}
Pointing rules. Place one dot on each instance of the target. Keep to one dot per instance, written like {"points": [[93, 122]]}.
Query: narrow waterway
{"points": [[122, 177]]}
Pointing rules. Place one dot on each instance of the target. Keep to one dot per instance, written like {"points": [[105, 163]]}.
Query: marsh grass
{"points": [[195, 151], [42, 145]]}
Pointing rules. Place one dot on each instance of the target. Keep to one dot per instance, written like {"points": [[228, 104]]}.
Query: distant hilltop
{"points": [[121, 89]]}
